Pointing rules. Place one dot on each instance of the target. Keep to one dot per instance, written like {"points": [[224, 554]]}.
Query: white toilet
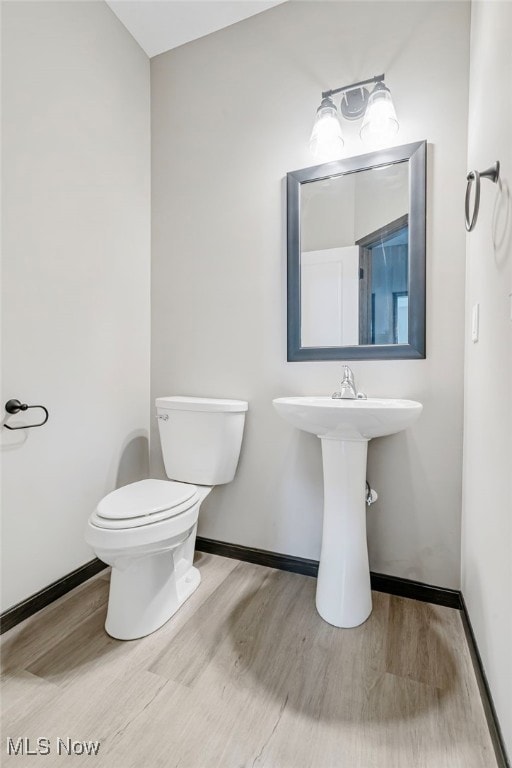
{"points": [[146, 531]]}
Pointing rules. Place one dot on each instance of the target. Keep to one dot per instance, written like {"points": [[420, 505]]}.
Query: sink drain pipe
{"points": [[371, 495]]}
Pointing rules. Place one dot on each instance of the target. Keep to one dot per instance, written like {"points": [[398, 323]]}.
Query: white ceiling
{"points": [[159, 25]]}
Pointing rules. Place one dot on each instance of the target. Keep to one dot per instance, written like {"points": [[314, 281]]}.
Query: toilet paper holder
{"points": [[15, 406]]}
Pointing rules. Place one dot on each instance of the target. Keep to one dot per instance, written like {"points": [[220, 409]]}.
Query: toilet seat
{"points": [[143, 503]]}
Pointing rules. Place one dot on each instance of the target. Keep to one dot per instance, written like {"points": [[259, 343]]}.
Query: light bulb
{"points": [[326, 142], [380, 122]]}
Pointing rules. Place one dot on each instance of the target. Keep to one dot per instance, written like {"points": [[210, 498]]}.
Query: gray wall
{"points": [[231, 114], [487, 494], [75, 278]]}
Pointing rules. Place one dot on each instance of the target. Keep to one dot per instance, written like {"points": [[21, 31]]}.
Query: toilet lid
{"points": [[147, 498]]}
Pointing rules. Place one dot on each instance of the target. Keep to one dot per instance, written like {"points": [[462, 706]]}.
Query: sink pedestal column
{"points": [[343, 595]]}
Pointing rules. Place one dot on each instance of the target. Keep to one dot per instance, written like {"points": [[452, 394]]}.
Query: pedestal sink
{"points": [[343, 595]]}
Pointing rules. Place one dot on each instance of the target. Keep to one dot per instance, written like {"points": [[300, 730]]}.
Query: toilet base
{"points": [[148, 591]]}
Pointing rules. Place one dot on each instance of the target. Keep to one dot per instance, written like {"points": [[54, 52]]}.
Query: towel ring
{"points": [[493, 174], [15, 406]]}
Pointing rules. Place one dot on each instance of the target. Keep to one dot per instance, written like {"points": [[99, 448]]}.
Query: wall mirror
{"points": [[356, 257]]}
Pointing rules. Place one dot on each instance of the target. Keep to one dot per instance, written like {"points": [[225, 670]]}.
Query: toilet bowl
{"points": [[146, 530]]}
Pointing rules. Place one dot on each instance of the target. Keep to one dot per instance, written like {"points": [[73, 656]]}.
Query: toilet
{"points": [[147, 530]]}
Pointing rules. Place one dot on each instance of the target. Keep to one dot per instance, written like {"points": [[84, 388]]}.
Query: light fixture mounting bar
{"points": [[334, 91]]}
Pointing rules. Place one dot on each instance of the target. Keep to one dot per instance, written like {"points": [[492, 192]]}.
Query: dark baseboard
{"points": [[380, 582], [52, 592], [258, 556], [485, 692], [416, 590]]}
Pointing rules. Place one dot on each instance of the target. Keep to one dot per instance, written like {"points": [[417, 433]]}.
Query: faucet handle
{"points": [[348, 374]]}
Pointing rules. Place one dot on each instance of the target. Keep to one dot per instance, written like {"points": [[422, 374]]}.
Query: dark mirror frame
{"points": [[416, 155]]}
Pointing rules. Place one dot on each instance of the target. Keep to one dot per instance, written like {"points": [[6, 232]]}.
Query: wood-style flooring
{"points": [[246, 675]]}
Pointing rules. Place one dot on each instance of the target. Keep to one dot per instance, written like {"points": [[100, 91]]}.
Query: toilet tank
{"points": [[201, 438]]}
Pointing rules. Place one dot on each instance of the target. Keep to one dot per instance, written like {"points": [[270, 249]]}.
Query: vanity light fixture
{"points": [[380, 123]]}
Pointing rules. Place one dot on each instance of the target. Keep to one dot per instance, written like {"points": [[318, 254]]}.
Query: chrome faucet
{"points": [[348, 388]]}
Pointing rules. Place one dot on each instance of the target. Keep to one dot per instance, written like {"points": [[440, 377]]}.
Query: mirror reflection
{"points": [[354, 258]]}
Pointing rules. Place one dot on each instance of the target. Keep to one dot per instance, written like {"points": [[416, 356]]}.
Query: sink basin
{"points": [[343, 593], [348, 419]]}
